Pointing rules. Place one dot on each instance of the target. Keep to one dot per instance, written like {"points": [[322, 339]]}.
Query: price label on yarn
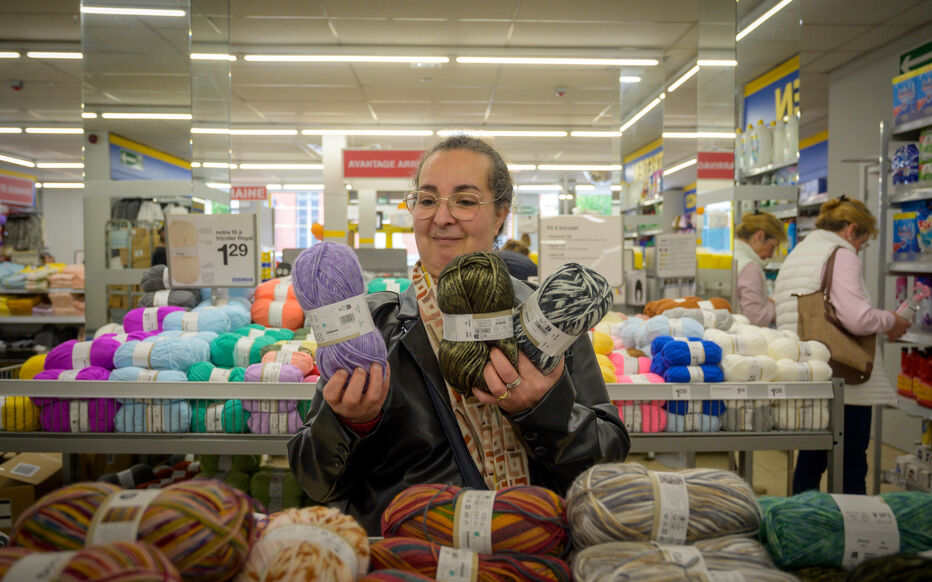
{"points": [[219, 375], [39, 567], [688, 557], [777, 391], [212, 250], [472, 521], [319, 537], [154, 416], [696, 353], [160, 298], [478, 327], [213, 418], [456, 565], [241, 350], [142, 354], [728, 392], [671, 507], [870, 528], [118, 517], [706, 306], [150, 319], [77, 414], [547, 337], [680, 392], [80, 355], [341, 321]]}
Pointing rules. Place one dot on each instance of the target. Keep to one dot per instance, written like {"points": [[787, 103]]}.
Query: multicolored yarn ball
{"points": [[302, 360], [328, 273], [285, 314], [572, 299], [207, 372], [616, 502], [395, 576], [32, 366], [302, 345], [313, 543], [114, 562], [420, 556], [525, 519], [474, 283], [897, 568], [808, 529], [140, 319], [19, 414], [169, 354], [204, 527]]}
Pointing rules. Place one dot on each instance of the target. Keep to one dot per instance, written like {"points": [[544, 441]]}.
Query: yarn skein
{"points": [[147, 318], [215, 320], [154, 279], [896, 568], [572, 299], [393, 575], [114, 562], [525, 519], [286, 314], [473, 283], [327, 273], [171, 354], [177, 297], [302, 360]]}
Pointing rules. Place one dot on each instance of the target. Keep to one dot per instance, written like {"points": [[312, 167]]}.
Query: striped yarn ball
{"points": [[287, 548], [525, 519], [573, 299], [420, 556], [114, 562], [616, 502], [395, 576], [204, 527], [896, 568]]}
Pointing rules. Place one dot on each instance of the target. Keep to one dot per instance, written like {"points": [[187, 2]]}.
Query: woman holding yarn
{"points": [[756, 239], [369, 435], [845, 225]]}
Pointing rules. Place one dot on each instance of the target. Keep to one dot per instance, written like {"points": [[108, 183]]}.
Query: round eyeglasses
{"points": [[462, 205]]}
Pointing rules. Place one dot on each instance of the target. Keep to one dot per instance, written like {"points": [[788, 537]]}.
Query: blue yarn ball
{"points": [[701, 423], [682, 375], [628, 330], [132, 374], [677, 353], [168, 354], [215, 320], [710, 407], [174, 416]]}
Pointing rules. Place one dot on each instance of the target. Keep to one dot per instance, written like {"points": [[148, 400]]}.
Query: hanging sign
{"points": [[916, 58], [715, 166], [380, 163], [676, 255], [17, 189], [592, 241], [259, 193], [213, 250]]}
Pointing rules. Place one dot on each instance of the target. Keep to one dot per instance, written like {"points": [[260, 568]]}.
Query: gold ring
{"points": [[504, 395], [513, 385]]}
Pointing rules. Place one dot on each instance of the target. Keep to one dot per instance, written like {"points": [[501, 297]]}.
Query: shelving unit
{"points": [[910, 407], [908, 267], [769, 168], [910, 192], [44, 319], [900, 481]]}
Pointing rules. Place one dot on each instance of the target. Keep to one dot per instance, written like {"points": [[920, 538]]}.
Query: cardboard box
{"points": [[23, 479]]}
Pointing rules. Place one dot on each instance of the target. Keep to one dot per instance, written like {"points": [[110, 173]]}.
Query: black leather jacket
{"points": [[572, 428]]}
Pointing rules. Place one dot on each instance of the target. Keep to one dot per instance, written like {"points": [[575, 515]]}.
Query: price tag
{"points": [[671, 507], [777, 391], [870, 528], [212, 250], [477, 327], [119, 515], [472, 521], [81, 355], [547, 337], [680, 392], [241, 350], [39, 567], [728, 392], [341, 321], [454, 565], [276, 313]]}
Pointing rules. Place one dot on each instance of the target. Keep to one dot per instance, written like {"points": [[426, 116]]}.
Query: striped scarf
{"points": [[490, 438]]}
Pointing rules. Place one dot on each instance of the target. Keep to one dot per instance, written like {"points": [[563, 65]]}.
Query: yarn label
{"points": [[39, 567], [457, 565], [160, 298], [254, 333], [803, 372], [281, 291], [147, 375], [472, 521], [639, 379], [676, 327], [708, 318], [219, 375], [81, 355], [276, 480], [870, 528], [322, 538], [125, 477], [681, 391], [154, 417], [119, 516], [150, 319], [547, 337], [696, 353], [805, 352], [689, 557], [755, 370], [706, 306], [271, 372], [725, 576], [671, 507], [189, 321], [77, 415], [777, 391], [284, 354], [276, 311], [696, 374], [241, 351], [213, 418], [68, 375], [478, 327], [630, 365], [341, 321], [142, 354]]}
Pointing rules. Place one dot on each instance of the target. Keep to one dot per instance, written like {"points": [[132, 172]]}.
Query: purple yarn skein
{"points": [[327, 273]]}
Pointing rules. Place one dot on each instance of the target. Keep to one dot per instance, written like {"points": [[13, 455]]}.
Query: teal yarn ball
{"points": [[396, 284], [278, 333], [207, 372], [234, 350], [227, 416]]}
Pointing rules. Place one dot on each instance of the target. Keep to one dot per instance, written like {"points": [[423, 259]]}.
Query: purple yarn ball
{"points": [[56, 417], [324, 274], [134, 319], [286, 373], [74, 355]]}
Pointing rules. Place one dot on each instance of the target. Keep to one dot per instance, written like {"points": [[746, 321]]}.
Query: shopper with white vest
{"points": [[756, 239], [847, 225]]}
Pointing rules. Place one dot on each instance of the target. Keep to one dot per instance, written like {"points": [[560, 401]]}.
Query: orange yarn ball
{"points": [[287, 314], [301, 360], [273, 290]]}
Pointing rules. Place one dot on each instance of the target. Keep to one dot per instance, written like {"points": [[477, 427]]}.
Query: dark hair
{"points": [[516, 246], [500, 183]]}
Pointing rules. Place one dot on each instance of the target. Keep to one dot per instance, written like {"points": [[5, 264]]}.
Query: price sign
{"points": [[680, 392], [217, 250], [728, 392], [777, 391]]}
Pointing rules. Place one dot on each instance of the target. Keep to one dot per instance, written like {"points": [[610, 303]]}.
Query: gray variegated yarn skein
{"points": [[153, 279], [573, 299], [473, 283], [615, 502], [630, 561], [176, 297], [720, 318]]}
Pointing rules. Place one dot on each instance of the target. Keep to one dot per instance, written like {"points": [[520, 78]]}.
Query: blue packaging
{"points": [[904, 95], [923, 212], [924, 96], [911, 164], [905, 236]]}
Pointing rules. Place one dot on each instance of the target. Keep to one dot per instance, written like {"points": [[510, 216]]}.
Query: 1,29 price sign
{"points": [[233, 250], [217, 250]]}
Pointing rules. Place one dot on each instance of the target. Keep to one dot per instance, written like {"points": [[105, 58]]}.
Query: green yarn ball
{"points": [[200, 372], [278, 333], [232, 419], [396, 284], [242, 463], [221, 349], [291, 493]]}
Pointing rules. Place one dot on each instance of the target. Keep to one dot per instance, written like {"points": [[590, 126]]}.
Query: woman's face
{"points": [[442, 238], [763, 245]]}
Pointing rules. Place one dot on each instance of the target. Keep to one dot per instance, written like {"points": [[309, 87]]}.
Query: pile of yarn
{"points": [[217, 415], [274, 487], [19, 414], [276, 305], [273, 416], [897, 568], [802, 414], [642, 415], [147, 318], [661, 325], [661, 305], [140, 476], [77, 414], [808, 529], [115, 562]]}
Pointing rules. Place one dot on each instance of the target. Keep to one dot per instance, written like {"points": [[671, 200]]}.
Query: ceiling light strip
{"points": [[585, 133], [637, 116], [680, 166], [115, 11], [762, 19], [698, 134], [154, 116], [279, 166], [500, 133], [16, 161], [9, 55], [717, 63], [48, 185], [60, 165], [685, 77], [629, 79], [579, 167], [345, 59], [11, 130], [564, 61], [56, 130], [370, 132], [212, 57], [54, 55]]}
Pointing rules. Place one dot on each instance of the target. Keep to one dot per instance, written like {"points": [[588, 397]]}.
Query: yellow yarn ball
{"points": [[603, 327], [31, 367], [602, 343], [605, 362], [608, 374], [20, 414], [613, 317]]}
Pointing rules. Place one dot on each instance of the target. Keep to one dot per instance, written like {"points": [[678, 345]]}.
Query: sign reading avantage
{"points": [[380, 163]]}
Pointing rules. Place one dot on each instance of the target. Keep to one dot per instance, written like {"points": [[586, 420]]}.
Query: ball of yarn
{"points": [[204, 527], [227, 416], [745, 343], [392, 575], [749, 368], [327, 273], [643, 561], [615, 502], [717, 319], [897, 568], [747, 415], [239, 315], [305, 346], [73, 355], [572, 299], [137, 374], [243, 463], [108, 328], [89, 373], [19, 414], [257, 330], [79, 415], [784, 348], [215, 320], [115, 562], [287, 422], [525, 519], [154, 279], [811, 371], [286, 314], [690, 353], [628, 332], [177, 297], [808, 529], [694, 374], [32, 366], [396, 284], [299, 359], [273, 372], [207, 372], [646, 378], [158, 415], [420, 556], [275, 490], [710, 407], [275, 290], [627, 365], [129, 478], [287, 551], [171, 354], [140, 319], [234, 350]]}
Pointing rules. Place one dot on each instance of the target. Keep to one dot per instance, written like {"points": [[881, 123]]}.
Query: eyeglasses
{"points": [[462, 205]]}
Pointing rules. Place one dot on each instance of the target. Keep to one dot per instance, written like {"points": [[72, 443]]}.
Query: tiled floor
{"points": [[770, 467]]}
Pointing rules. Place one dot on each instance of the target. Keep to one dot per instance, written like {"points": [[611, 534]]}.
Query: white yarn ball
{"points": [[722, 339], [790, 334], [812, 371], [770, 334], [739, 368], [739, 318], [788, 349]]}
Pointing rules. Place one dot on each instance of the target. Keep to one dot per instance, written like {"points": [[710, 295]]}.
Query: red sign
{"points": [[715, 166], [380, 163], [248, 193], [17, 191]]}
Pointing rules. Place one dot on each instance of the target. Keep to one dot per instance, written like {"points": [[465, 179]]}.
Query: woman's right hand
{"points": [[358, 401], [900, 326]]}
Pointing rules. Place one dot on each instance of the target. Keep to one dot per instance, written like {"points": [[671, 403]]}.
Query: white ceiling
{"points": [[304, 95]]}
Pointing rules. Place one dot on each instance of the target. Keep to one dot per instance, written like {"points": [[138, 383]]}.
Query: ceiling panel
{"points": [[270, 74], [831, 60], [867, 12], [259, 96], [488, 9], [877, 37], [279, 31], [282, 8], [421, 33], [825, 37], [618, 10], [916, 15], [612, 36]]}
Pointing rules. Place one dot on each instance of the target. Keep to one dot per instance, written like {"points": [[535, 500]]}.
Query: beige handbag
{"points": [[852, 355]]}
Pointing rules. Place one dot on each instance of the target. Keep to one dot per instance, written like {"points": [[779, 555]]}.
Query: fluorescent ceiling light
{"points": [[373, 132], [616, 187], [629, 79], [56, 130], [212, 57], [686, 76], [521, 167], [114, 115], [762, 19], [60, 165], [717, 63], [223, 165], [88, 115], [210, 130], [273, 186], [113, 11], [558, 61], [344, 59], [10, 130], [53, 55], [642, 112], [595, 134], [283, 166], [263, 132], [195, 164], [680, 166], [539, 187], [48, 185], [580, 167], [584, 188], [17, 161], [302, 186], [698, 134], [9, 55], [219, 186], [500, 133]]}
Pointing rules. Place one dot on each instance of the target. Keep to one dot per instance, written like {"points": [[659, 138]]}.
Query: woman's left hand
{"points": [[528, 384]]}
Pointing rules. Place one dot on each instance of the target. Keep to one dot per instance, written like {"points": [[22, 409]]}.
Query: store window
{"points": [[295, 214]]}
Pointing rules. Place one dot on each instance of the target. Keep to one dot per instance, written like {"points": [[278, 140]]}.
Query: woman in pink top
{"points": [[756, 239]]}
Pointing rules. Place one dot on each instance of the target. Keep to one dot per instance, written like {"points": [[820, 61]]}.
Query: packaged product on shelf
{"points": [[925, 145], [905, 236], [924, 315], [923, 218], [904, 96]]}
